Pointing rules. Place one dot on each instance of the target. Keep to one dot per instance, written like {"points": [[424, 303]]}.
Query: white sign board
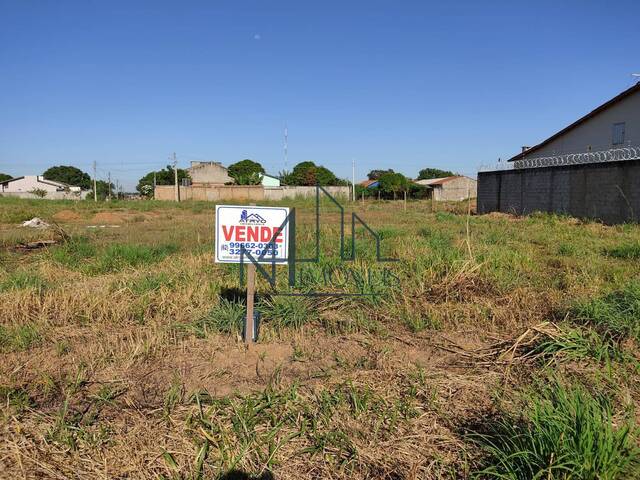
{"points": [[253, 228]]}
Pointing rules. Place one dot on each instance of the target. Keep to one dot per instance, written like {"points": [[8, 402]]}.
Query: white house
{"points": [[36, 186]]}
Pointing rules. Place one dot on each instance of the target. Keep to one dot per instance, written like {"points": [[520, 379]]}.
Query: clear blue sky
{"points": [[393, 84]]}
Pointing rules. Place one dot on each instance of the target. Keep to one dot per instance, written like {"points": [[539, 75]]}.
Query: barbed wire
{"points": [[602, 156]]}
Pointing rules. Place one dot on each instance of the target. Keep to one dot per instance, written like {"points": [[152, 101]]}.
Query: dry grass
{"points": [[121, 355]]}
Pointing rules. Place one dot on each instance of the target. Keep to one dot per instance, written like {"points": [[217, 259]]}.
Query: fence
{"points": [[215, 193], [608, 191], [630, 152]]}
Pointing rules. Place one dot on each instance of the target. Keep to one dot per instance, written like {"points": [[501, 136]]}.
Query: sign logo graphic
{"points": [[251, 218]]}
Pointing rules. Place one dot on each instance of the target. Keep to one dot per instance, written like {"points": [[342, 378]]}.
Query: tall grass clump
{"points": [[82, 255], [225, 317], [615, 315], [629, 251], [74, 253], [18, 337], [286, 312], [118, 256], [563, 433], [22, 280]]}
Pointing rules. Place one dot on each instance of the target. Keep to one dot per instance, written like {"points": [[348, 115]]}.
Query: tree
{"points": [[427, 173], [4, 177], [163, 177], [375, 174], [246, 172], [393, 183], [70, 175], [308, 173]]}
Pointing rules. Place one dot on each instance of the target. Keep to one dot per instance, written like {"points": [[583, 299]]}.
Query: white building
{"points": [[36, 186], [269, 180]]}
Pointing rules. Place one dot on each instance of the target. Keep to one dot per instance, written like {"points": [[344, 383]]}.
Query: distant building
{"points": [[269, 180], [452, 189], [208, 173], [35, 186]]}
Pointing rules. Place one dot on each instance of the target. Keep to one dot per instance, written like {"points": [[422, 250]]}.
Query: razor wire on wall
{"points": [[602, 156]]}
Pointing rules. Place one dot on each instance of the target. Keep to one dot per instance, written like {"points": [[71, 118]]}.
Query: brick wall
{"points": [[605, 191]]}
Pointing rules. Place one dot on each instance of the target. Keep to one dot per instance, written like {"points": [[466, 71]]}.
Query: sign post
{"points": [[251, 288], [251, 234]]}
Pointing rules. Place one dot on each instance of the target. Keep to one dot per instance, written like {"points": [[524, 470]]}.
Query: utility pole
{"points": [[95, 190], [175, 176], [353, 178], [154, 185], [109, 186]]}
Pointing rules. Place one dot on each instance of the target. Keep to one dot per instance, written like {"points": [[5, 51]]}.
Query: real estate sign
{"points": [[253, 229]]}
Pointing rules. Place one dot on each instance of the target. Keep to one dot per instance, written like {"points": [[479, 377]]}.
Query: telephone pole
{"points": [[109, 185], [175, 176], [154, 185], [95, 191]]}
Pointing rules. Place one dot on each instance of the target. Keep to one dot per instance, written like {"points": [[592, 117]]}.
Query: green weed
{"points": [[286, 312]]}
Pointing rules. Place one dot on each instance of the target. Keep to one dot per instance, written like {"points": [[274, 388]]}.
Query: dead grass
{"points": [[122, 357]]}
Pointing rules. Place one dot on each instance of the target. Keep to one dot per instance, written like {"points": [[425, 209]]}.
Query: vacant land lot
{"points": [[505, 346]]}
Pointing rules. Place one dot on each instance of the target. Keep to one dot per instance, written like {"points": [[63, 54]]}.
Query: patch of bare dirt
{"points": [[108, 218], [67, 216]]}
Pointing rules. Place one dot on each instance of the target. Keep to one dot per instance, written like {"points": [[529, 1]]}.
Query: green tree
{"points": [[163, 177], [375, 174], [427, 173], [4, 177], [246, 172], [394, 183], [308, 173], [70, 175]]}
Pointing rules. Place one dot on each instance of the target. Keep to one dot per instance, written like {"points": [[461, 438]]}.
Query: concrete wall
{"points": [[208, 172], [50, 195], [278, 193], [213, 193], [597, 132], [455, 190], [606, 191]]}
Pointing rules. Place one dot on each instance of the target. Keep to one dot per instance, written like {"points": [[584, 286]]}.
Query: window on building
{"points": [[618, 134]]}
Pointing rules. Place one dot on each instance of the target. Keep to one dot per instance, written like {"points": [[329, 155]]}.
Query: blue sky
{"points": [[402, 85]]}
